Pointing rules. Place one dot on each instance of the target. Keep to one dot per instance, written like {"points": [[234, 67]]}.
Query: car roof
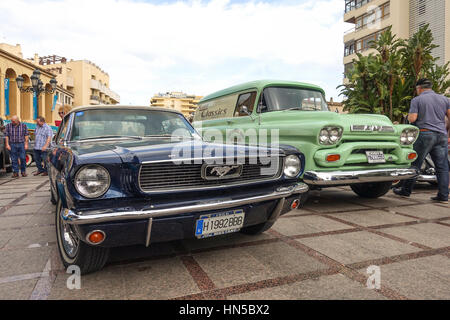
{"points": [[121, 107], [260, 84]]}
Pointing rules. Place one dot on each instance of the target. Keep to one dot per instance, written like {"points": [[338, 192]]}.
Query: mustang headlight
{"points": [[409, 136], [330, 135], [92, 181], [292, 166]]}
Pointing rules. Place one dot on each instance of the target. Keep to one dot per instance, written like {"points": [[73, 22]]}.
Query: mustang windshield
{"points": [[134, 124], [279, 98]]}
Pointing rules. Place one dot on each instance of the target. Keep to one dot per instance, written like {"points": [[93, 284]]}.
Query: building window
{"points": [[382, 12], [349, 49], [347, 68], [364, 44]]}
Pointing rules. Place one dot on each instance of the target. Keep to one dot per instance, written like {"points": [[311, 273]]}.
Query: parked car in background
{"points": [[365, 151], [137, 175]]}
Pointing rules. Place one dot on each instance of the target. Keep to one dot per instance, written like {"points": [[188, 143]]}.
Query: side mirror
{"points": [[244, 110]]}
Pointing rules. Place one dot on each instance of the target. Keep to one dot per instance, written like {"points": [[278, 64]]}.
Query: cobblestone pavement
{"points": [[320, 252]]}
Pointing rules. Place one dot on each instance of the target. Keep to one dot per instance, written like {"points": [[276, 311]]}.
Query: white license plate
{"points": [[375, 157], [219, 223]]}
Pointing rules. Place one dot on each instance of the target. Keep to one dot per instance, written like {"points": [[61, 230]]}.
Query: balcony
{"points": [[354, 4], [94, 99], [70, 82], [96, 85]]}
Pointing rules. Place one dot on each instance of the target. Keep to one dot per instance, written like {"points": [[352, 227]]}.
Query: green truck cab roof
{"points": [[259, 85]]}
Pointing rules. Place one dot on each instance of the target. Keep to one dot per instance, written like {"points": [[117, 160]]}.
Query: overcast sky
{"points": [[193, 46]]}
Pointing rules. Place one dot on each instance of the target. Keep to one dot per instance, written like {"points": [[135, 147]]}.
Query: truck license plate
{"points": [[375, 157], [219, 223]]}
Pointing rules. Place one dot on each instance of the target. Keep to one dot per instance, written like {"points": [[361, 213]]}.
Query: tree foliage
{"points": [[383, 82]]}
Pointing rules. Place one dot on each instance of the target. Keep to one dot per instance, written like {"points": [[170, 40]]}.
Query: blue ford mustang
{"points": [[138, 175]]}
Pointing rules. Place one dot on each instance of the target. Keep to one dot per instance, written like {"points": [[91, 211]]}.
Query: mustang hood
{"points": [[160, 150]]}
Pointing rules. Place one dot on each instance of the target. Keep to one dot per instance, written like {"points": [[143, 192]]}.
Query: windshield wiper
{"points": [[111, 137], [165, 136]]}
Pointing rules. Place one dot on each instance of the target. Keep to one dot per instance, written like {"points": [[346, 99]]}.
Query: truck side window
{"points": [[245, 99]]}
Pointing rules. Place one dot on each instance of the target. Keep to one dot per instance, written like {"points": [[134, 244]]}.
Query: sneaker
{"points": [[15, 175], [400, 192], [24, 174], [439, 200]]}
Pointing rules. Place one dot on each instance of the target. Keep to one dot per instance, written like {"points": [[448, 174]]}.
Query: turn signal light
{"points": [[412, 156], [333, 157], [295, 204], [96, 237]]}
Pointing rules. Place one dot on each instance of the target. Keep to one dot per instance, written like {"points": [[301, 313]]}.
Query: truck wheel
{"points": [[74, 251], [371, 190], [257, 229]]}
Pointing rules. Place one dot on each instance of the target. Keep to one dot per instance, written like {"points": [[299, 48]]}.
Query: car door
{"points": [[242, 128]]}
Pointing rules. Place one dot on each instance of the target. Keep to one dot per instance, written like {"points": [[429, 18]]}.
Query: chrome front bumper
{"points": [[99, 216], [353, 177], [426, 178]]}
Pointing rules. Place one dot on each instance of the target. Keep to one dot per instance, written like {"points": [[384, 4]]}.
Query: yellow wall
{"points": [[21, 104]]}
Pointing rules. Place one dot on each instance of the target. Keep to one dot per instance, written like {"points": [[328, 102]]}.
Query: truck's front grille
{"points": [[161, 176]]}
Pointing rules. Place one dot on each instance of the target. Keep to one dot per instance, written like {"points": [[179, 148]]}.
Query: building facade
{"points": [[371, 17], [186, 104], [87, 81], [14, 102]]}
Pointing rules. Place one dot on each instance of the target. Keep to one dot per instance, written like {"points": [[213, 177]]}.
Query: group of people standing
{"points": [[17, 141]]}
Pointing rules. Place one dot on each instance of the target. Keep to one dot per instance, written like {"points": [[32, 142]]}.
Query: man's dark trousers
{"points": [[18, 152], [39, 157], [436, 144]]}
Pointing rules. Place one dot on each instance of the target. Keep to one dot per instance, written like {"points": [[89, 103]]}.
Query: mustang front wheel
{"points": [[371, 190], [74, 251]]}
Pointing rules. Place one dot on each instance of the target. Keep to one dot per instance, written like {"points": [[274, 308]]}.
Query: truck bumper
{"points": [[353, 177]]}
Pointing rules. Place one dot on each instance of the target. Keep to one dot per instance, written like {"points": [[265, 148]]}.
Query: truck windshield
{"points": [[279, 98], [132, 124]]}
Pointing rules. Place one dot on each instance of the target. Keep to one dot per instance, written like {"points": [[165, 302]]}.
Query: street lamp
{"points": [[37, 86]]}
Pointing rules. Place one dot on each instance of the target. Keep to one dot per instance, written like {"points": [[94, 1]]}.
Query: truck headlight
{"points": [[409, 136], [330, 135], [92, 181], [292, 166]]}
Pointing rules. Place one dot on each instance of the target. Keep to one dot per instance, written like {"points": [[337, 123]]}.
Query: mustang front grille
{"points": [[161, 176]]}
